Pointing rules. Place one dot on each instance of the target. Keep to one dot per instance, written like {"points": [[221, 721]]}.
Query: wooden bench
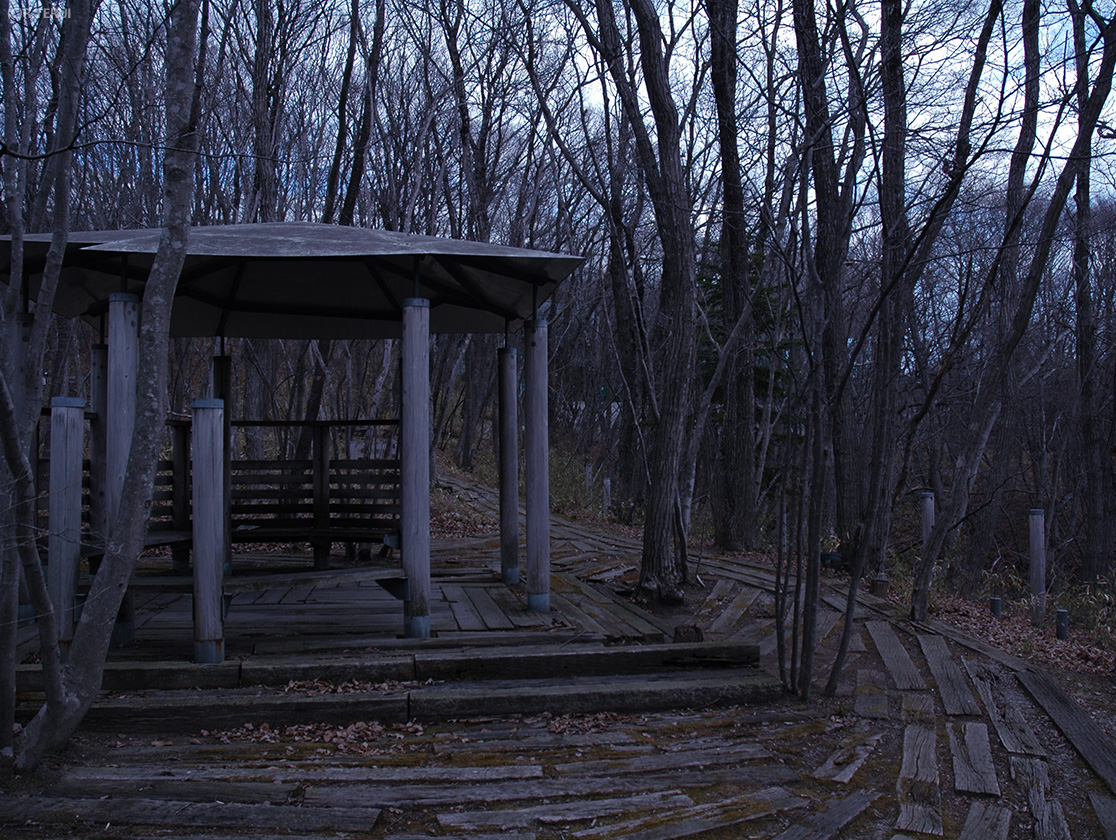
{"points": [[352, 500]]}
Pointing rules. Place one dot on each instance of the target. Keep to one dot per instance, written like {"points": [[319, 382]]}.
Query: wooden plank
{"points": [[1105, 809], [489, 611], [176, 814], [895, 657], [831, 823], [456, 793], [181, 789], [721, 590], [1033, 777], [698, 819], [871, 699], [1015, 733], [665, 761], [306, 773], [954, 689], [599, 608], [731, 614], [516, 610], [849, 757], [572, 613], [919, 707], [623, 611], [1094, 745], [973, 770], [920, 801], [986, 822], [558, 813]]}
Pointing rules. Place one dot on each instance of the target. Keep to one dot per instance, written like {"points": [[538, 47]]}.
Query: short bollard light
{"points": [[996, 605], [1063, 624]]}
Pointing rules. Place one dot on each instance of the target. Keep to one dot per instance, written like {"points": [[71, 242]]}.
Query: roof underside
{"points": [[304, 280]]}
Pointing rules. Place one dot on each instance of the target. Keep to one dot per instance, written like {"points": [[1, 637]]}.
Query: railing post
{"points": [[927, 517], [209, 530], [509, 465], [320, 469], [98, 456], [180, 494], [415, 467], [536, 445], [220, 386], [67, 428], [1037, 524]]}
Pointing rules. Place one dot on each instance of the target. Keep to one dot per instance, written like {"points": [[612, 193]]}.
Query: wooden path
{"points": [[934, 735]]}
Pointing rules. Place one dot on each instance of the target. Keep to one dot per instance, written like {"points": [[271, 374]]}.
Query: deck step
{"points": [[188, 712], [537, 661]]}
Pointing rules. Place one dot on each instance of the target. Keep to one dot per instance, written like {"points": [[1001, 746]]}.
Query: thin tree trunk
{"points": [[55, 722], [733, 501], [334, 175]]}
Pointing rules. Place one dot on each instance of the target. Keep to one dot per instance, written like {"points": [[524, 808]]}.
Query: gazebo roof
{"points": [[305, 280]]}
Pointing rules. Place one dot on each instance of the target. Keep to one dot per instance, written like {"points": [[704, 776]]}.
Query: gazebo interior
{"points": [[295, 281]]}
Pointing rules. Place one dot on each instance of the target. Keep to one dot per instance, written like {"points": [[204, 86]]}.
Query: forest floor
{"points": [[953, 728]]}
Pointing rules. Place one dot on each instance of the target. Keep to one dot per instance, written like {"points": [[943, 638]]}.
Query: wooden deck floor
{"points": [[928, 726]]}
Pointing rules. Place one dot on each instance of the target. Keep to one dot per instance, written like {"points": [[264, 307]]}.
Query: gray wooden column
{"points": [[120, 410], [509, 465], [415, 467], [319, 460], [1037, 528], [98, 441], [180, 493], [209, 529], [67, 432], [536, 453], [220, 388]]}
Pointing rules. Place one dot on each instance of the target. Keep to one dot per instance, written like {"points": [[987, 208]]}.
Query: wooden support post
{"points": [[123, 364], [209, 530], [180, 493], [536, 446], [415, 466], [67, 432], [320, 469], [509, 465], [220, 388], [98, 441], [1038, 566], [606, 496]]}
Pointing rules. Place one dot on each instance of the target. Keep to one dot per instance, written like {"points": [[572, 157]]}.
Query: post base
{"points": [[209, 653], [538, 603], [417, 627], [510, 576]]}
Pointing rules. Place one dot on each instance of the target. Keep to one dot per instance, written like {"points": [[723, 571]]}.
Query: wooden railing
{"points": [[320, 500]]}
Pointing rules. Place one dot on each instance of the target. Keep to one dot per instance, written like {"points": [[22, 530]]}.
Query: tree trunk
{"points": [[56, 721], [1099, 539], [663, 563], [733, 500]]}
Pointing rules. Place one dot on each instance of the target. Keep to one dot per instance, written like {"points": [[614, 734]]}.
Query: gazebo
{"points": [[302, 280]]}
